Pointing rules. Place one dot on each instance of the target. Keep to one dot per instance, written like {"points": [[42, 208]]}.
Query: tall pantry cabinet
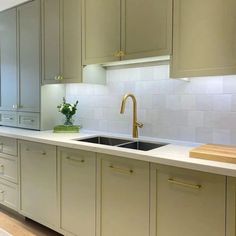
{"points": [[21, 95]]}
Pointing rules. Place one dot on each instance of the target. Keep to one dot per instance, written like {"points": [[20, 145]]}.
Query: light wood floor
{"points": [[18, 226]]}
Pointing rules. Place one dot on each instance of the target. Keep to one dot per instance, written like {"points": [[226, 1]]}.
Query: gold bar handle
{"points": [[76, 160], [194, 186], [122, 171], [7, 118], [42, 153]]}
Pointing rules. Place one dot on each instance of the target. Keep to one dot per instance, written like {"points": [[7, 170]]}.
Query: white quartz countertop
{"points": [[174, 154]]}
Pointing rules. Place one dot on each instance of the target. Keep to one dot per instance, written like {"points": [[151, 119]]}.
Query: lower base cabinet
{"points": [[9, 194], [78, 187], [123, 197], [38, 181], [187, 203]]}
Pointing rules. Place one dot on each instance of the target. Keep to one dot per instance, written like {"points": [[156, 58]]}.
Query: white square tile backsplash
{"points": [[202, 110]]}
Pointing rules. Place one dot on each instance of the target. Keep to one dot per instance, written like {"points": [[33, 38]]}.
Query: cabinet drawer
{"points": [[8, 118], [8, 169], [29, 120], [186, 200], [8, 146], [124, 195], [9, 194]]}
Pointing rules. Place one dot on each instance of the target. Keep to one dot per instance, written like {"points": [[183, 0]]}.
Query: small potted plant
{"points": [[68, 110]]}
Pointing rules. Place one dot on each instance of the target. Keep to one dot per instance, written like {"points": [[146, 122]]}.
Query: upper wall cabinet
{"points": [[146, 28], [101, 31], [204, 38], [116, 30], [29, 57], [8, 65], [62, 52]]}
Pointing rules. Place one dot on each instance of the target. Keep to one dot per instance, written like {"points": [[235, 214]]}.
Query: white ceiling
{"points": [[4, 4]]}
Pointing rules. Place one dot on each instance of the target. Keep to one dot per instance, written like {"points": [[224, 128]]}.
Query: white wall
{"points": [[203, 110]]}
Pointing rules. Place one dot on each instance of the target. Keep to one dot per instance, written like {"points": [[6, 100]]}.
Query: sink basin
{"points": [[144, 146], [125, 143], [105, 141]]}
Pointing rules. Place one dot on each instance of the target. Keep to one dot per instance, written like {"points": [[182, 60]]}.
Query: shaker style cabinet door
{"points": [[146, 28], [38, 183], [77, 181], [8, 60], [101, 31], [29, 56], [51, 40], [123, 197], [204, 38], [62, 41], [186, 202]]}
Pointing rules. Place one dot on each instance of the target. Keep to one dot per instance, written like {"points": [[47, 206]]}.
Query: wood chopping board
{"points": [[214, 152]]}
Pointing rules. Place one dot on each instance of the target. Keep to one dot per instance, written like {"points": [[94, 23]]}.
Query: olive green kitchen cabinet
{"points": [[61, 41], [123, 197], [24, 102], [186, 202], [9, 188], [78, 191], [29, 57], [116, 30], [38, 183], [204, 38], [8, 61]]}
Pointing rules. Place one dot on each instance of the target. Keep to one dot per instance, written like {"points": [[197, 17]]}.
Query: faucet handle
{"points": [[139, 124]]}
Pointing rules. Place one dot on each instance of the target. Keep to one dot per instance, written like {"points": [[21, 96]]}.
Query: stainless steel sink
{"points": [[124, 143], [144, 146], [105, 141]]}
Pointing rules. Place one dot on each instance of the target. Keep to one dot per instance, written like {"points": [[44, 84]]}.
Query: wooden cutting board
{"points": [[213, 152]]}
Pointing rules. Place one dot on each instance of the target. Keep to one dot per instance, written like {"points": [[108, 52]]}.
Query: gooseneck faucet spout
{"points": [[136, 124]]}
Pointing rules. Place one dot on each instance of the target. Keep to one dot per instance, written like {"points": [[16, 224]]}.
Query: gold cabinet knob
{"points": [[122, 53], [117, 54], [59, 77]]}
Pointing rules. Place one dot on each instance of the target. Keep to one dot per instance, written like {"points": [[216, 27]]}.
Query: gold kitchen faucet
{"points": [[136, 124]]}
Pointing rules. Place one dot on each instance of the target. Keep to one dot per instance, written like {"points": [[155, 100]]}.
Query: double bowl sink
{"points": [[124, 143]]}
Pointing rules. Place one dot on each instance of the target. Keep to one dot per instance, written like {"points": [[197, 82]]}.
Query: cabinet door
{"points": [[51, 40], [204, 38], [38, 181], [62, 41], [124, 197], [146, 28], [72, 41], [29, 56], [78, 170], [186, 202], [8, 51], [101, 30]]}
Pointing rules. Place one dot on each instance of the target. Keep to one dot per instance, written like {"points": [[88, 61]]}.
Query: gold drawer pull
{"points": [[76, 160], [122, 171], [7, 118], [173, 181], [28, 120], [42, 153]]}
